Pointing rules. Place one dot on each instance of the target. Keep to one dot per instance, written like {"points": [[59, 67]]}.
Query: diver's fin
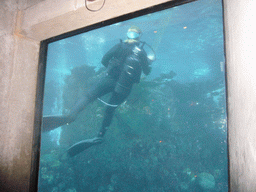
{"points": [[83, 145], [53, 122]]}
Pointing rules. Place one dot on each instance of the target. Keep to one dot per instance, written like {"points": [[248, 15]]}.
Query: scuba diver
{"points": [[125, 63]]}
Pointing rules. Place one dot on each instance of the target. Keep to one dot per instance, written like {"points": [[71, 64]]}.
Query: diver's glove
{"points": [[83, 145]]}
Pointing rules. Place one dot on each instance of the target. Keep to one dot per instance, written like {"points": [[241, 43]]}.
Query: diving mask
{"points": [[133, 35]]}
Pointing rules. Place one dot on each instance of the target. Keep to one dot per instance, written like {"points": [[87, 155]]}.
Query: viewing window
{"points": [[137, 104]]}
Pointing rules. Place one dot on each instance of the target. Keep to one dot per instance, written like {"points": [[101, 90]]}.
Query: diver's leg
{"points": [[77, 148], [116, 99], [55, 121], [104, 86], [109, 113]]}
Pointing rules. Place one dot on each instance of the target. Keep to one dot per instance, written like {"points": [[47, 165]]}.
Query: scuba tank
{"points": [[131, 71], [132, 68]]}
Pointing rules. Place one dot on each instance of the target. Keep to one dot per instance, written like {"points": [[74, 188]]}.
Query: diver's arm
{"points": [[147, 70], [145, 64], [110, 54]]}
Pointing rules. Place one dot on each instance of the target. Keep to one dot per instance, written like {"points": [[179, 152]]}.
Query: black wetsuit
{"points": [[124, 68], [125, 63]]}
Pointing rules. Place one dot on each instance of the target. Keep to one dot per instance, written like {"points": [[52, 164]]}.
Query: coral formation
{"points": [[165, 137], [206, 181]]}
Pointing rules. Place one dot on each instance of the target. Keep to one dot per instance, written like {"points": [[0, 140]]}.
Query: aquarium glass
{"points": [[169, 134]]}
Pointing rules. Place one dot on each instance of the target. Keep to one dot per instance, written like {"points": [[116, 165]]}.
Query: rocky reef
{"points": [[166, 136]]}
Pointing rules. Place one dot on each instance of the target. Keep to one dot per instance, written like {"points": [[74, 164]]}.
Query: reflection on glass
{"points": [[138, 106]]}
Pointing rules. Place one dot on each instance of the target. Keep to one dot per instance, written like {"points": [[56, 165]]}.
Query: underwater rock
{"points": [[71, 190], [55, 189], [101, 189], [184, 187], [114, 179], [206, 181], [165, 172], [111, 188], [136, 171], [62, 186], [166, 76], [49, 178], [190, 176], [169, 75], [154, 159], [217, 174], [150, 133], [91, 170], [51, 160], [55, 163], [206, 153]]}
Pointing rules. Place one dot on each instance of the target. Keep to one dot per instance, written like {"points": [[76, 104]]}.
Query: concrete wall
{"points": [[24, 23], [240, 24], [18, 73]]}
